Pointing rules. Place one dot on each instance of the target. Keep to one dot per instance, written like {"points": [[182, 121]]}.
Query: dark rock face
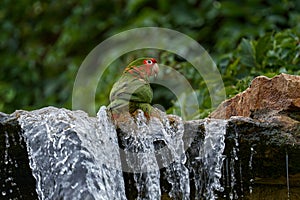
{"points": [[266, 119], [257, 156], [16, 179], [265, 152]]}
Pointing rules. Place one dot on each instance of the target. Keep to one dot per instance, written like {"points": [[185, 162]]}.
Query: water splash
{"points": [[234, 160], [177, 173], [208, 165], [251, 181], [78, 157], [140, 159], [73, 156], [141, 148]]}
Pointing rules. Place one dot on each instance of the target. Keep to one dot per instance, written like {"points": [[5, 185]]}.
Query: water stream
{"points": [[74, 156], [139, 153], [142, 147], [287, 175], [207, 167]]}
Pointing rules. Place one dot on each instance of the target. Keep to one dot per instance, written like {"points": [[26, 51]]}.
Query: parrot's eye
{"points": [[149, 62]]}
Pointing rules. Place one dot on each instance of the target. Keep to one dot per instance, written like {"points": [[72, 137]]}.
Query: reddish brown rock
{"points": [[265, 96]]}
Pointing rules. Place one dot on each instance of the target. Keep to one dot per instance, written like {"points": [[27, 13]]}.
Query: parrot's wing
{"points": [[129, 88], [143, 94], [118, 88]]}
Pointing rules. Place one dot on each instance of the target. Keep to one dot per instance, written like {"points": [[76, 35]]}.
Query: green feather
{"points": [[131, 92]]}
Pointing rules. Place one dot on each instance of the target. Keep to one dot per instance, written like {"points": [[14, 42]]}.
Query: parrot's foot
{"points": [[150, 113], [137, 114], [121, 118]]}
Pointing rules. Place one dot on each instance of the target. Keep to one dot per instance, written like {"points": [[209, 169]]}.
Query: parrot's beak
{"points": [[155, 70]]}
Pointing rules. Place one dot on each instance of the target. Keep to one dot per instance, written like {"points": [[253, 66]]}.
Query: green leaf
{"points": [[263, 45], [247, 53]]}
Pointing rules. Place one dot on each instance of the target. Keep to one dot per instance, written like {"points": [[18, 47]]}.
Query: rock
{"points": [[274, 100], [264, 96], [257, 155], [16, 179], [254, 157], [261, 153], [266, 119]]}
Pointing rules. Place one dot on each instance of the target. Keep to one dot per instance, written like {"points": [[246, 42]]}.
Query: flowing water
{"points": [[176, 172], [234, 160], [251, 181], [73, 156], [140, 159], [287, 175], [141, 152], [207, 167]]}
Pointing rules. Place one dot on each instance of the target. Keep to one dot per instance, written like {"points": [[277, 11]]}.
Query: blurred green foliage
{"points": [[270, 55], [43, 43]]}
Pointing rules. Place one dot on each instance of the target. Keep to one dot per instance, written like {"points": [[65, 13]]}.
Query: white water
{"points": [[141, 157], [213, 155], [208, 165], [176, 172], [74, 156], [252, 152]]}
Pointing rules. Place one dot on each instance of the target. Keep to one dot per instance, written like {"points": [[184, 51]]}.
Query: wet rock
{"points": [[264, 121], [16, 179], [257, 155]]}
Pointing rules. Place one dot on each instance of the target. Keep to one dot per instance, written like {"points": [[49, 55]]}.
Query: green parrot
{"points": [[132, 91]]}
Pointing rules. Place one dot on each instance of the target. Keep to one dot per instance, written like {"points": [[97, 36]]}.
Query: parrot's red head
{"points": [[143, 68]]}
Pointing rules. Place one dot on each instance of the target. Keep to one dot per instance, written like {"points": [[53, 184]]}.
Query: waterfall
{"points": [[176, 172], [213, 154], [73, 156], [207, 166], [140, 158], [151, 146]]}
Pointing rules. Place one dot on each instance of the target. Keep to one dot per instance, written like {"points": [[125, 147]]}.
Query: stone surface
{"points": [[257, 155], [262, 151], [254, 157], [275, 100], [264, 96]]}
